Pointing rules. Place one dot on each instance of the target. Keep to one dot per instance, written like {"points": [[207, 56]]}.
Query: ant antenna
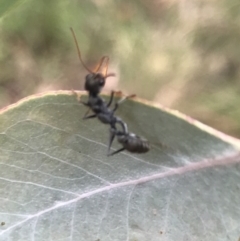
{"points": [[100, 63], [79, 53], [106, 75], [106, 67]]}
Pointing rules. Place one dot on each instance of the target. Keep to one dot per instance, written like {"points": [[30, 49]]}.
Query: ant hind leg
{"points": [[123, 124], [111, 138], [117, 151]]}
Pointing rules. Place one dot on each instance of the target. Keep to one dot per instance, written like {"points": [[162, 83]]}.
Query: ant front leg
{"points": [[121, 100], [79, 98], [89, 116], [82, 102], [112, 95], [86, 116]]}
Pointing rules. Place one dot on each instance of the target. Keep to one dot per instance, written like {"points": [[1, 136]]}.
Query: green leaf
{"points": [[58, 184], [8, 5]]}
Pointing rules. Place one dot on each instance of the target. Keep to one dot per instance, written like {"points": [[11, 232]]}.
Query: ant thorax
{"points": [[94, 83], [96, 103]]}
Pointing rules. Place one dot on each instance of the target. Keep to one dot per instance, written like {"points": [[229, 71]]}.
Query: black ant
{"points": [[130, 142], [94, 83]]}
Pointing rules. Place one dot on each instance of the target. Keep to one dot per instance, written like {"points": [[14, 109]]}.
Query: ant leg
{"points": [[111, 138], [78, 96], [121, 100], [112, 95], [84, 103], [123, 124], [89, 116], [86, 116], [86, 113], [111, 99], [117, 151]]}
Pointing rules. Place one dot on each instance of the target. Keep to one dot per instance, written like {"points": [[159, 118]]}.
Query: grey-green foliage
{"points": [[215, 83], [56, 182], [6, 6]]}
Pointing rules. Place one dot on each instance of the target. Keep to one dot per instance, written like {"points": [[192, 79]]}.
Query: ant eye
{"points": [[101, 82]]}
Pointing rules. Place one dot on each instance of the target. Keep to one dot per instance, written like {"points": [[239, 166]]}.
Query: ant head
{"points": [[94, 81]]}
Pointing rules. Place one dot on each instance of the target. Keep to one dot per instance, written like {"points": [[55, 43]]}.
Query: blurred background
{"points": [[183, 54]]}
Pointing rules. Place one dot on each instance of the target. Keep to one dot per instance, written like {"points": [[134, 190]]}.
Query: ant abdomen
{"points": [[133, 143], [130, 142]]}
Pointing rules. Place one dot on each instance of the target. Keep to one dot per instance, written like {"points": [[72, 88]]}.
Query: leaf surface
{"points": [[56, 182], [8, 5]]}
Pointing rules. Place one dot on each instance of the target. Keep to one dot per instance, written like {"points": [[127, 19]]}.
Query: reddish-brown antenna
{"points": [[105, 68], [100, 63], [79, 53]]}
